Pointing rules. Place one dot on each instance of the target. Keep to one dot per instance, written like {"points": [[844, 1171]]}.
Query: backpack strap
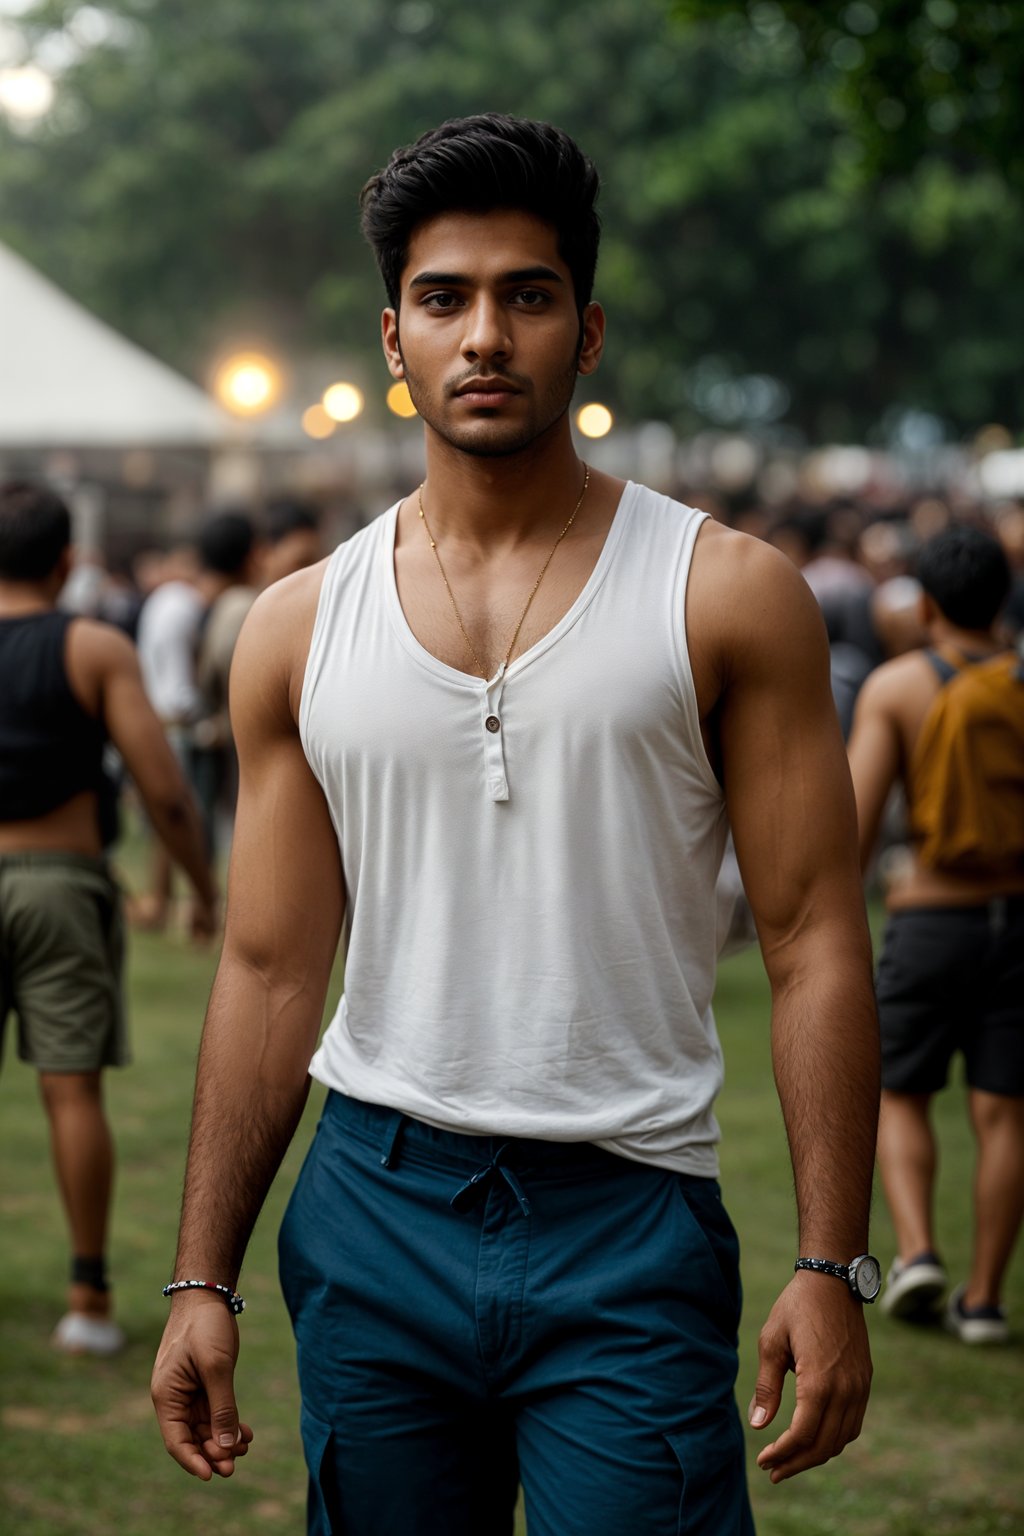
{"points": [[945, 669]]}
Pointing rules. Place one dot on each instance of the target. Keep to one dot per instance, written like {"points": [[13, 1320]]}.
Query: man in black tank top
{"points": [[69, 686]]}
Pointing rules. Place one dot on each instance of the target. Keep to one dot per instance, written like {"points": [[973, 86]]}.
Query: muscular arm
{"points": [[103, 668], [285, 904], [792, 813], [874, 753]]}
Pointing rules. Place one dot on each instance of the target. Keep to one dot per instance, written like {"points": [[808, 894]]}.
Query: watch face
{"points": [[868, 1277]]}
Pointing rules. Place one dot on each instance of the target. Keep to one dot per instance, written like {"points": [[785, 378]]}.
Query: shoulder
{"points": [[747, 601], [92, 642], [172, 602], [274, 641], [908, 679]]}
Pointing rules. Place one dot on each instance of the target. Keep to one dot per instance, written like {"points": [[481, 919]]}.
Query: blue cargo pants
{"points": [[472, 1314]]}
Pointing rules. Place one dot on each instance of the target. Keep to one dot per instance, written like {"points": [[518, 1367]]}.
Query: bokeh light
{"points": [[26, 93], [594, 420], [316, 422], [247, 383], [343, 402], [400, 400]]}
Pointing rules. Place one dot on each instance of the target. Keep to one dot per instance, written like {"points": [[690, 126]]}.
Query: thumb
{"points": [[223, 1409], [764, 1404]]}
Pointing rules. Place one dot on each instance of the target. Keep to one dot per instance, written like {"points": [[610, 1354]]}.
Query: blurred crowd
{"points": [[184, 605], [860, 561]]}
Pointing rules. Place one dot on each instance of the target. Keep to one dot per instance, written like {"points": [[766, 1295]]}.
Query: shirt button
{"points": [[493, 724]]}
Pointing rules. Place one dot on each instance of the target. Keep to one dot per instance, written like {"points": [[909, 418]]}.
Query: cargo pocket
{"points": [[322, 1513], [714, 1237], [712, 1458]]}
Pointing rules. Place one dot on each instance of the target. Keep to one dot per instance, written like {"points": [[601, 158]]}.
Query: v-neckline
{"points": [[426, 657]]}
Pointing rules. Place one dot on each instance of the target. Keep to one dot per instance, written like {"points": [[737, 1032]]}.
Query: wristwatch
{"points": [[863, 1274]]}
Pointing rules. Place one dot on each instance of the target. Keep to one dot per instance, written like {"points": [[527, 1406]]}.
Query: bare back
{"points": [[891, 710]]}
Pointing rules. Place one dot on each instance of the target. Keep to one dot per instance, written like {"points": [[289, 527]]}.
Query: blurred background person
{"points": [[951, 972], [293, 540], [168, 643], [230, 557], [67, 685]]}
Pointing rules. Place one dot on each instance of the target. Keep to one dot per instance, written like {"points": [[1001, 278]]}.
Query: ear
{"points": [[390, 343], [593, 339], [927, 612]]}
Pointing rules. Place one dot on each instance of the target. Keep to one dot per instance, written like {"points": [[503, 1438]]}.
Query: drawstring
{"points": [[392, 1136], [471, 1191]]}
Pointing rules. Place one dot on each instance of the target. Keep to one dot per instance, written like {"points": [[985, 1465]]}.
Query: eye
{"points": [[531, 298], [442, 300]]}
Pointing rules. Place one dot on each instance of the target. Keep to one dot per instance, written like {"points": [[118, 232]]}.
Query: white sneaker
{"points": [[914, 1289], [976, 1325], [79, 1334]]}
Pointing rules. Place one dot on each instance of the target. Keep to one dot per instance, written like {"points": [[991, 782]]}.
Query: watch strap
{"points": [[825, 1267]]}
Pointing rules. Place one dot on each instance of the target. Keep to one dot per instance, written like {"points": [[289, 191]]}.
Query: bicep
{"points": [[285, 888], [787, 783]]}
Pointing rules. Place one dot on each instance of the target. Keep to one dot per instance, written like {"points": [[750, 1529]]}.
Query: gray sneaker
{"points": [[914, 1289], [976, 1325]]}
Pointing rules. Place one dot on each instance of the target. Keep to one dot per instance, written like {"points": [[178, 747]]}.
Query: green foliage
{"points": [[911, 78], [763, 257]]}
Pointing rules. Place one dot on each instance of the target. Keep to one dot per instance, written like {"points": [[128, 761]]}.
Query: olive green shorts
{"points": [[61, 954]]}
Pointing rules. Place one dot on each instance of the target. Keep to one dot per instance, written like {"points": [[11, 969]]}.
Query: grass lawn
{"points": [[79, 1450]]}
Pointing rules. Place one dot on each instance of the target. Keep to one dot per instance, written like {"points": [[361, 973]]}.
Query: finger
{"points": [[180, 1444], [771, 1374], [813, 1437], [224, 1428], [221, 1457]]}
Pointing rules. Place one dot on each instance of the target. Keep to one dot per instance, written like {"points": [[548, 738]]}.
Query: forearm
{"points": [[251, 1087], [825, 1054], [176, 821]]}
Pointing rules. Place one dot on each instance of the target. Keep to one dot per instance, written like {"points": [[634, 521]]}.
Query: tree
{"points": [[200, 179]]}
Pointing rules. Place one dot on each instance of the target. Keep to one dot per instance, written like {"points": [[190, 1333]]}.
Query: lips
{"points": [[486, 392]]}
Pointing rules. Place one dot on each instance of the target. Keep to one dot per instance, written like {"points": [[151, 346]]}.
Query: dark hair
{"points": [[285, 515], [35, 530], [966, 574], [478, 164], [225, 542]]}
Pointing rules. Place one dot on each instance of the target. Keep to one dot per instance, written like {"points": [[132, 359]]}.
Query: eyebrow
{"points": [[461, 280]]}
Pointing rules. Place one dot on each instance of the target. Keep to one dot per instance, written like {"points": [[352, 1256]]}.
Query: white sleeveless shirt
{"points": [[530, 862]]}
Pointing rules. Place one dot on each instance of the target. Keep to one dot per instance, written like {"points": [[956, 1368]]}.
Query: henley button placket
{"points": [[494, 748]]}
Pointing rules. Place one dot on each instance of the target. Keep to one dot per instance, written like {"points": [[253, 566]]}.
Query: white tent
{"points": [[68, 380]]}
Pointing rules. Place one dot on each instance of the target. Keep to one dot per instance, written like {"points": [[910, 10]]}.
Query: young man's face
{"points": [[488, 337]]}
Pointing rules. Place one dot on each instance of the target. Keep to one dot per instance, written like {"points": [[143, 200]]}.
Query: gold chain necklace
{"points": [[543, 571]]}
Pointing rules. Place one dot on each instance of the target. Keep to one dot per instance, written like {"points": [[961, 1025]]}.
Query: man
{"points": [[479, 737], [229, 556], [67, 685], [168, 642], [293, 540], [951, 973]]}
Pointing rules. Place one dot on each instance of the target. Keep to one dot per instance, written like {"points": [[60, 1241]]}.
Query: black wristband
{"points": [[232, 1299]]}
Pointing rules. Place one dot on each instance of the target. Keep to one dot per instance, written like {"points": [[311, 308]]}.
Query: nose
{"points": [[485, 335]]}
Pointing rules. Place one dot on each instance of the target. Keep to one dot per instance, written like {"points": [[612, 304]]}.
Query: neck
{"points": [[22, 597], [506, 500], [973, 641]]}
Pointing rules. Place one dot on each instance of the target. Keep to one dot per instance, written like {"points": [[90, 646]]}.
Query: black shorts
{"points": [[952, 979]]}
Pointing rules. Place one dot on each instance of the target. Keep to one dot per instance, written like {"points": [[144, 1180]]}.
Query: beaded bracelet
{"points": [[234, 1302]]}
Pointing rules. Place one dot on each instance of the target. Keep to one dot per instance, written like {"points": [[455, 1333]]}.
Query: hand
{"points": [[193, 1390], [817, 1330]]}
